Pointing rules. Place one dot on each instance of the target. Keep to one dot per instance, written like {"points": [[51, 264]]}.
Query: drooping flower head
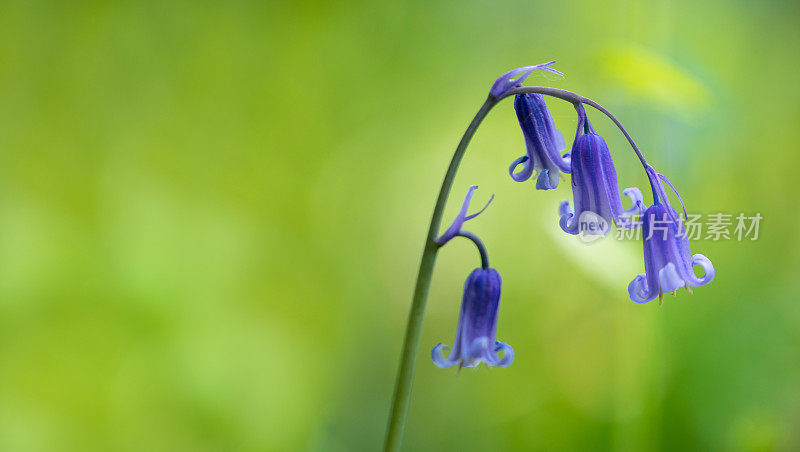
{"points": [[543, 143], [595, 191], [668, 263], [507, 82], [475, 334], [475, 340]]}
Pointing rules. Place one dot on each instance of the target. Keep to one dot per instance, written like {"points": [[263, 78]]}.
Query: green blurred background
{"points": [[211, 217]]}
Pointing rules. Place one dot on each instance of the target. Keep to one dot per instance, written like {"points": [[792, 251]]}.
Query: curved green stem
{"points": [[405, 375]]}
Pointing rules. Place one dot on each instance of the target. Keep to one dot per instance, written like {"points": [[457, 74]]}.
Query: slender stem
{"points": [[622, 129], [478, 244], [405, 375]]}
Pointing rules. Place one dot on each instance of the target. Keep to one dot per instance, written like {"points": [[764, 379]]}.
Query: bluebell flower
{"points": [[543, 143], [507, 82], [668, 263], [595, 188], [475, 334]]}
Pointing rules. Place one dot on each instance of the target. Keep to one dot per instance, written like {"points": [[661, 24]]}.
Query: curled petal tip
{"points": [[437, 355], [525, 173], [707, 266], [508, 355], [637, 200], [638, 290], [566, 214]]}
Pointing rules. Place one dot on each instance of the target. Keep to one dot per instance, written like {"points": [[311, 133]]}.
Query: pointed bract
{"points": [[507, 82], [462, 217]]}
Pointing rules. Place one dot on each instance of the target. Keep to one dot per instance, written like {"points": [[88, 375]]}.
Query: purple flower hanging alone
{"points": [[668, 263], [543, 143], [595, 192], [475, 334]]}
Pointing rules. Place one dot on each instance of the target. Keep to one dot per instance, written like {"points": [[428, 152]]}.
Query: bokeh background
{"points": [[211, 217]]}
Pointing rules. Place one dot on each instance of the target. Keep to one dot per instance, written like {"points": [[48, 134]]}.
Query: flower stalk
{"points": [[504, 87]]}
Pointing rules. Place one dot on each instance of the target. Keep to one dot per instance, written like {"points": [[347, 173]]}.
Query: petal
{"points": [[637, 207], [552, 152], [637, 200], [508, 355], [708, 269], [543, 141], [563, 208], [566, 214], [526, 172], [638, 290], [478, 348], [547, 180], [437, 355], [669, 279], [558, 140], [567, 158]]}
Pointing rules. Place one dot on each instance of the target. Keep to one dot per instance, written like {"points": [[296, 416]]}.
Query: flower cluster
{"points": [[597, 205]]}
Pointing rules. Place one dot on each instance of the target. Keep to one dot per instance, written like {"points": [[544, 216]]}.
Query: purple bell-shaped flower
{"points": [[595, 191], [475, 334], [668, 263], [543, 144]]}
